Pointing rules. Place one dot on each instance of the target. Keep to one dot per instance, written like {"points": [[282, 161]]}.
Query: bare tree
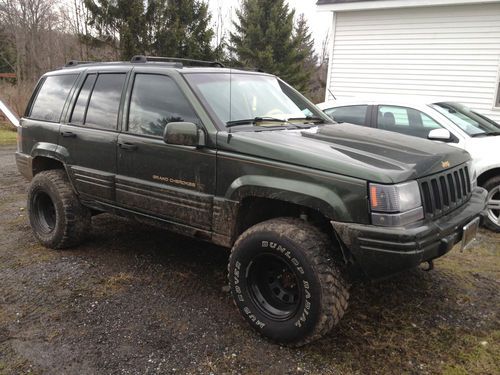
{"points": [[28, 23]]}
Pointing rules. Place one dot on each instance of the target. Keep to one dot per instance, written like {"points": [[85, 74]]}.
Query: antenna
{"points": [[331, 93]]}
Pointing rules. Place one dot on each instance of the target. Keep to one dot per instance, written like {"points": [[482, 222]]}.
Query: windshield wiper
{"points": [[306, 118], [485, 134], [253, 121]]}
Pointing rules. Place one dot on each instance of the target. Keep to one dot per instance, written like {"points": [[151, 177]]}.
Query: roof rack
{"points": [[145, 59], [76, 62]]}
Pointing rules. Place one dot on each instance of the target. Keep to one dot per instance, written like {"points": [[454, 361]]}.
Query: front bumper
{"points": [[382, 251]]}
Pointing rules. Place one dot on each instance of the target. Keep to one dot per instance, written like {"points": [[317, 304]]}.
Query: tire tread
{"points": [[316, 246], [77, 218]]}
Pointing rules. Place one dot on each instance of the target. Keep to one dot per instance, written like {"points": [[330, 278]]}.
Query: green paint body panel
{"points": [[198, 190]]}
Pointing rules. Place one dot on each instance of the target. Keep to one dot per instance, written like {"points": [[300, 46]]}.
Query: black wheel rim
{"points": [[44, 212], [274, 286]]}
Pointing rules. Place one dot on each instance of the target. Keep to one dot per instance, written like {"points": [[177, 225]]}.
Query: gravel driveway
{"points": [[137, 300]]}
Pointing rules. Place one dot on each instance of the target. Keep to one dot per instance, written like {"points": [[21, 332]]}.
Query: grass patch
{"points": [[476, 356], [7, 134], [114, 284]]}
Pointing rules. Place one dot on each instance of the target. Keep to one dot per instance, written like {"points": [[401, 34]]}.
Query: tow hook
{"points": [[427, 266]]}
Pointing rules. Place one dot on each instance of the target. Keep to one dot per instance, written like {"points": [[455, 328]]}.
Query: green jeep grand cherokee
{"points": [[241, 159]]}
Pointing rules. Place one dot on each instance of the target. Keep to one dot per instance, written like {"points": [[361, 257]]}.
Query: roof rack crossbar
{"points": [[144, 59], [76, 62]]}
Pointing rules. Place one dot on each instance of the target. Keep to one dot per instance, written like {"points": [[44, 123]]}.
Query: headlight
{"points": [[395, 205]]}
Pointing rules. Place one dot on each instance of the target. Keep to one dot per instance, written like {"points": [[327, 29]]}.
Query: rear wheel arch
{"points": [[41, 163], [45, 163]]}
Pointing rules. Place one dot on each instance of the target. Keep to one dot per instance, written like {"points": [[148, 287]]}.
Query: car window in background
{"points": [[354, 114], [157, 100], [405, 120], [104, 102], [469, 121], [392, 116], [427, 122], [50, 100]]}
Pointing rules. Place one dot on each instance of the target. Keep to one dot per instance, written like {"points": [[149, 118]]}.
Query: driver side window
{"points": [[157, 100]]}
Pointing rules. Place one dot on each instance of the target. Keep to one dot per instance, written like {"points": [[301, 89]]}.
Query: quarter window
{"points": [[51, 97], [157, 100], [104, 102], [355, 114]]}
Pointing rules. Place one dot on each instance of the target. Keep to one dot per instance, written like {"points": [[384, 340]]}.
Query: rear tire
{"points": [[284, 281], [56, 215], [492, 220]]}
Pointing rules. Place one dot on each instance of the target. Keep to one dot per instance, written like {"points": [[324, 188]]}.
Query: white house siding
{"points": [[447, 51]]}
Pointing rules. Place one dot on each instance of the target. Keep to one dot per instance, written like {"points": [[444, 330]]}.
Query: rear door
{"points": [[89, 137], [173, 182]]}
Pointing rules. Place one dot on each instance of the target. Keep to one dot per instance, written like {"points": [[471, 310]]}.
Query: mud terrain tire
{"points": [[57, 217], [284, 282]]}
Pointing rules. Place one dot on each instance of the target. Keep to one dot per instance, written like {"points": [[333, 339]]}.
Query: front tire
{"points": [[285, 283], [492, 221], [56, 215]]}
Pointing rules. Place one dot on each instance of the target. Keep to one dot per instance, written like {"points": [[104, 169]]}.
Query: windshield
{"points": [[238, 97], [473, 123]]}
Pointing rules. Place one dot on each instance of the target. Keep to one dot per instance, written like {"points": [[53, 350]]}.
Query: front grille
{"points": [[443, 192]]}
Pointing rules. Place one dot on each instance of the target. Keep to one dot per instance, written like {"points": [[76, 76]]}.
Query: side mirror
{"points": [[439, 135], [184, 134]]}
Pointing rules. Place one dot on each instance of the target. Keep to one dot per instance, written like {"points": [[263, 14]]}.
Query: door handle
{"points": [[68, 134], [127, 146]]}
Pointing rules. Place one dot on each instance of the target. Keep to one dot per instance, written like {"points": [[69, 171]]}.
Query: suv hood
{"points": [[351, 150]]}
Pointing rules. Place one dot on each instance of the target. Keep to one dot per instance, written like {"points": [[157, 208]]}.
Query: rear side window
{"points": [[354, 114], [157, 100], [51, 97], [102, 111]]}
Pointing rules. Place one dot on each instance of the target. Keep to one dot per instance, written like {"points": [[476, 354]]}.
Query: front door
{"points": [[89, 138], [175, 183]]}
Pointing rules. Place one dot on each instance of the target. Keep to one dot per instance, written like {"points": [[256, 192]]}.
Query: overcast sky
{"points": [[319, 22]]}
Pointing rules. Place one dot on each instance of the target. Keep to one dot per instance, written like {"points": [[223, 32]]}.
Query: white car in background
{"points": [[438, 120]]}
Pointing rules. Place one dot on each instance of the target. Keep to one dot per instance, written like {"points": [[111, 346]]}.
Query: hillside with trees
{"points": [[40, 35]]}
